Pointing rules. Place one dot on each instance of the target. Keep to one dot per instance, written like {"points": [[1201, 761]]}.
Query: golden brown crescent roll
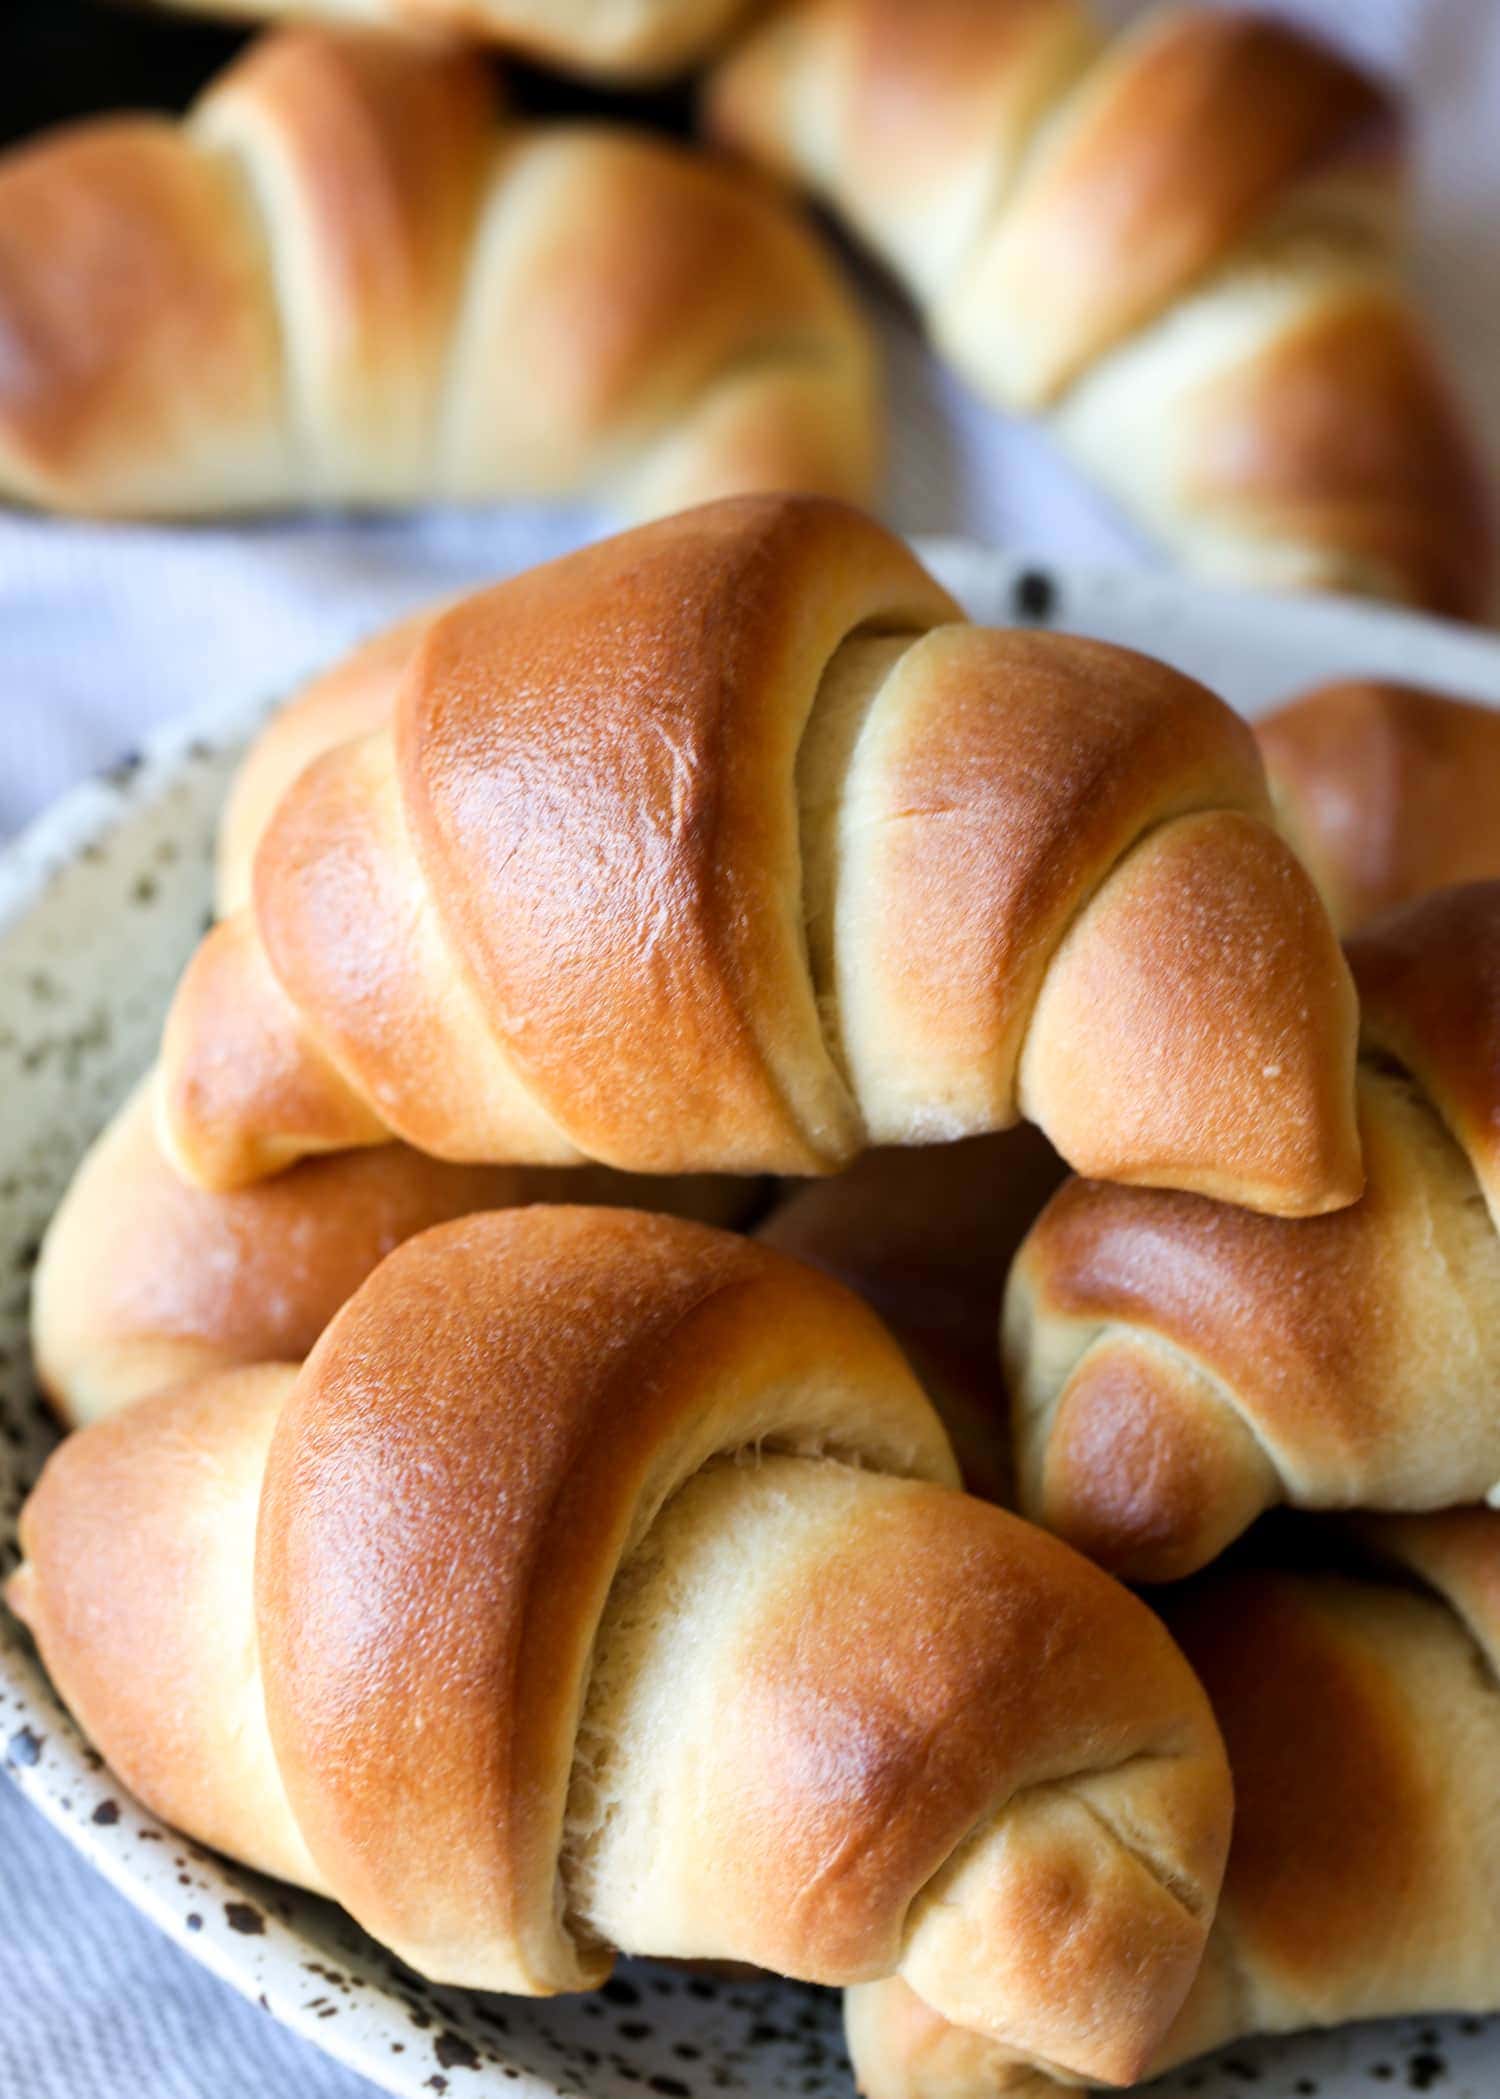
{"points": [[1178, 1366], [726, 845], [145, 1280], [1180, 247], [347, 277], [447, 1626], [627, 40], [1386, 791], [927, 1237], [1360, 1712]]}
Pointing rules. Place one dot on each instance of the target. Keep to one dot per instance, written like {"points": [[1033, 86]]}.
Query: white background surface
{"points": [[105, 632]]}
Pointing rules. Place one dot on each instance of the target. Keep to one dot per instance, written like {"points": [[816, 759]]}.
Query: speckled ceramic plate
{"points": [[99, 905]]}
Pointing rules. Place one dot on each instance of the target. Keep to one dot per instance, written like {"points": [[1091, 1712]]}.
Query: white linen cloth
{"points": [[107, 631]]}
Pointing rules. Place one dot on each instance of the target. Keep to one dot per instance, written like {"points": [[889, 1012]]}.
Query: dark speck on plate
{"points": [[454, 2052], [1034, 596]]}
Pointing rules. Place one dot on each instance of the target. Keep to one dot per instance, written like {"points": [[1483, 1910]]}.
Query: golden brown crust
{"points": [[623, 1351], [134, 1590], [345, 277], [362, 957], [913, 121], [556, 1491], [1165, 950], [1358, 1877], [620, 329], [997, 775], [1179, 1365], [145, 1280], [368, 161], [1456, 1553], [350, 700], [1182, 140], [1429, 986], [127, 260], [715, 616], [1330, 1807], [1361, 1737], [1183, 246], [838, 849], [1387, 791], [901, 2048], [1344, 436], [235, 1054], [944, 1749]]}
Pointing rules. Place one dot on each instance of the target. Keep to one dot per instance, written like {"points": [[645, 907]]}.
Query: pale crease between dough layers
{"points": [[722, 845], [1177, 1366], [1360, 1712], [551, 1475], [1182, 246], [347, 276]]}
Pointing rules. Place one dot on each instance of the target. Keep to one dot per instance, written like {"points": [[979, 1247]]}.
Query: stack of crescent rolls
{"points": [[739, 1142], [661, 1011], [359, 271]]}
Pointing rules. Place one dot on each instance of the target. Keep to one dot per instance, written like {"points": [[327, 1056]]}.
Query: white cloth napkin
{"points": [[105, 632]]}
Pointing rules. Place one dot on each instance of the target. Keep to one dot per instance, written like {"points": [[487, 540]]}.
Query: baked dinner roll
{"points": [[1360, 1713], [144, 1280], [727, 845], [347, 277], [927, 1236], [1386, 791], [1178, 1366], [1181, 247], [627, 40], [447, 1625]]}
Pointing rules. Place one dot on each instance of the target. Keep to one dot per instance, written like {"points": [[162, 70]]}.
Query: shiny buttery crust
{"points": [[1181, 246], [553, 1475], [741, 783], [347, 276], [355, 697], [1387, 791], [1178, 1366], [1363, 1728], [145, 1280]]}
